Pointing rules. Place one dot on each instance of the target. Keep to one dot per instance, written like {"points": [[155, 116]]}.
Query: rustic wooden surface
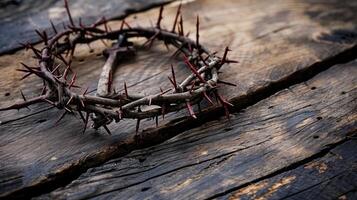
{"points": [[276, 135], [331, 176], [19, 18], [277, 43]]}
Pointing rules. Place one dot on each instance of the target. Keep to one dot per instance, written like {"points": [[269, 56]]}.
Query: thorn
{"points": [[86, 122], [227, 83], [44, 33], [224, 104], [55, 69], [81, 101], [30, 69], [68, 109], [225, 55], [192, 86], [126, 90], [39, 34], [81, 115], [69, 101], [190, 110], [43, 90], [224, 101], [73, 80], [61, 117], [181, 32], [50, 102], [176, 17], [172, 82], [193, 69], [167, 45], [163, 110], [190, 47], [65, 73], [150, 41], [160, 17], [164, 92], [105, 25], [25, 76], [85, 91], [68, 13], [124, 23], [35, 51], [178, 50], [137, 126], [107, 129], [53, 27], [173, 76], [207, 98], [23, 70], [230, 61], [23, 96]]}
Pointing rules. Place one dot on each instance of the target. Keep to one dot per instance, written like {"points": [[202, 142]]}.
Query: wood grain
{"points": [[332, 176], [276, 135], [274, 41], [18, 20]]}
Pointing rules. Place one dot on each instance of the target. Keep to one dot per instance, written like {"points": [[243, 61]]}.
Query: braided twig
{"points": [[109, 105]]}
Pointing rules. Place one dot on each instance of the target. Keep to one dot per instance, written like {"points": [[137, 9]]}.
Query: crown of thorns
{"points": [[54, 68]]}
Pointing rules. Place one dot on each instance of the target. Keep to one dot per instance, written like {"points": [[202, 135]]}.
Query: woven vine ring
{"points": [[54, 68]]}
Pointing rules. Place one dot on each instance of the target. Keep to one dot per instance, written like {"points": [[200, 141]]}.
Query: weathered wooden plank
{"points": [[275, 135], [18, 19], [333, 176], [274, 41]]}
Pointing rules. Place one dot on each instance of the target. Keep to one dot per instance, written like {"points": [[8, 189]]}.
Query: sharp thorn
{"points": [[158, 23], [81, 115], [106, 129], [190, 110], [23, 96], [86, 122], [69, 101], [227, 83], [207, 98], [173, 76], [176, 17], [61, 117], [68, 13], [126, 90], [193, 69], [137, 126]]}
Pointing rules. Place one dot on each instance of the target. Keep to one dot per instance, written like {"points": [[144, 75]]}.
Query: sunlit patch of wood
{"points": [[319, 166], [250, 191]]}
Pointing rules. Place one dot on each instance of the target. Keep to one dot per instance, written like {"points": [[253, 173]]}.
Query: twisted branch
{"points": [[109, 105]]}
